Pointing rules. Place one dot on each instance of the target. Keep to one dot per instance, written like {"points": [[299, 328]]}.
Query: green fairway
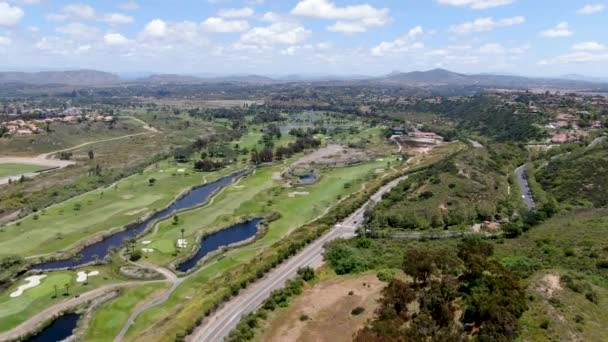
{"points": [[17, 169], [110, 316], [14, 311], [60, 226], [294, 210]]}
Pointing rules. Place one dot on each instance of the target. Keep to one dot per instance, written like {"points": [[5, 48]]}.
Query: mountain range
{"points": [[435, 77]]}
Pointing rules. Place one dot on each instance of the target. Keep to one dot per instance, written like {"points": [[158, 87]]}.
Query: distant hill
{"points": [[445, 77], [72, 77], [186, 79]]}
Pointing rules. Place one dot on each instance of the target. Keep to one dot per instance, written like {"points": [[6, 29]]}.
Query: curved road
{"points": [[219, 325]]}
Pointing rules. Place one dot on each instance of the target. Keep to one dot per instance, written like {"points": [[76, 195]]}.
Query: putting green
{"points": [[17, 169], [62, 225], [14, 311]]}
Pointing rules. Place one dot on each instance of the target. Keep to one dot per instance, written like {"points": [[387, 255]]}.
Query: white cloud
{"points": [[486, 24], [576, 58], [591, 9], [79, 30], [220, 25], [117, 19], [129, 5], [156, 28], [115, 39], [236, 12], [476, 4], [308, 48], [80, 11], [589, 46], [10, 15], [405, 43], [4, 41], [280, 33], [351, 19], [561, 30]]}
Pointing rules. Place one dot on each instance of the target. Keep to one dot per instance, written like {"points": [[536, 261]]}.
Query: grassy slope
{"points": [[14, 311], [187, 301], [570, 244], [16, 169], [66, 135], [578, 178], [108, 319], [101, 210]]}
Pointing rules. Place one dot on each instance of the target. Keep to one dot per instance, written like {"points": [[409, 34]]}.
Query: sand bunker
{"points": [[182, 243], [298, 193], [147, 250], [147, 242], [181, 170], [83, 276], [32, 281]]}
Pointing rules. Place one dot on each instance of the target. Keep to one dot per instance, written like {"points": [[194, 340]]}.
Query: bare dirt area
{"points": [[327, 308], [333, 155], [550, 283]]}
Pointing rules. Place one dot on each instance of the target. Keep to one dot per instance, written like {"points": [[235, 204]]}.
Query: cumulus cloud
{"points": [[156, 28], [236, 12], [405, 43], [10, 15], [308, 48], [351, 19], [220, 25], [589, 46], [561, 30], [280, 33], [117, 19], [4, 41], [79, 30], [591, 9], [115, 39], [80, 11], [485, 24], [476, 4]]}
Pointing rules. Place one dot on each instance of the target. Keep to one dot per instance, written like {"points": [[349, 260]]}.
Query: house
{"points": [[399, 130]]}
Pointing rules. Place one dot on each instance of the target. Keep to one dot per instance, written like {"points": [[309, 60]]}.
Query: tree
{"points": [[175, 220], [307, 273], [151, 181], [182, 231], [91, 155], [67, 289], [419, 263]]}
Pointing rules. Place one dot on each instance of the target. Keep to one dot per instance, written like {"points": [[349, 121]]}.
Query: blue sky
{"points": [[272, 37]]}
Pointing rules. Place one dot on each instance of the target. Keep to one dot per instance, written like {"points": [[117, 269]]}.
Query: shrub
{"points": [[544, 324], [357, 311], [304, 317]]}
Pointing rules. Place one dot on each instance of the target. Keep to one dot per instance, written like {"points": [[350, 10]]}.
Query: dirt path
{"points": [[46, 159]]}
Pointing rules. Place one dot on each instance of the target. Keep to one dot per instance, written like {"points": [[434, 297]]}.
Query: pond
{"points": [[228, 236], [101, 249], [59, 330]]}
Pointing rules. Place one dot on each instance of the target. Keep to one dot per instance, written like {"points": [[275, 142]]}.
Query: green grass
{"points": [[108, 319], [571, 244], [17, 169], [62, 225], [14, 311], [294, 211]]}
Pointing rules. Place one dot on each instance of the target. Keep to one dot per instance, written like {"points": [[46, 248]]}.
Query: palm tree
{"points": [[67, 290], [182, 230]]}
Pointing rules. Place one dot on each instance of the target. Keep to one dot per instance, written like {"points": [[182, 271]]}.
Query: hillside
{"points": [[469, 186], [71, 77], [578, 177]]}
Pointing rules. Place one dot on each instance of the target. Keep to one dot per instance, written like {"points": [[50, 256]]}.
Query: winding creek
{"points": [[60, 329], [225, 237], [101, 249]]}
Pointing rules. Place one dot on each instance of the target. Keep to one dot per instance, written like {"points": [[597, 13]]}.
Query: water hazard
{"points": [[100, 250], [59, 330], [233, 234]]}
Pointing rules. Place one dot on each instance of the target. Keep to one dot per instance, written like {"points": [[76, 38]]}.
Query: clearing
{"points": [[15, 169], [327, 307]]}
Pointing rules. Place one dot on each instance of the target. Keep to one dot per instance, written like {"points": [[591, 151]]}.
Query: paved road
{"points": [[524, 188], [219, 325]]}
